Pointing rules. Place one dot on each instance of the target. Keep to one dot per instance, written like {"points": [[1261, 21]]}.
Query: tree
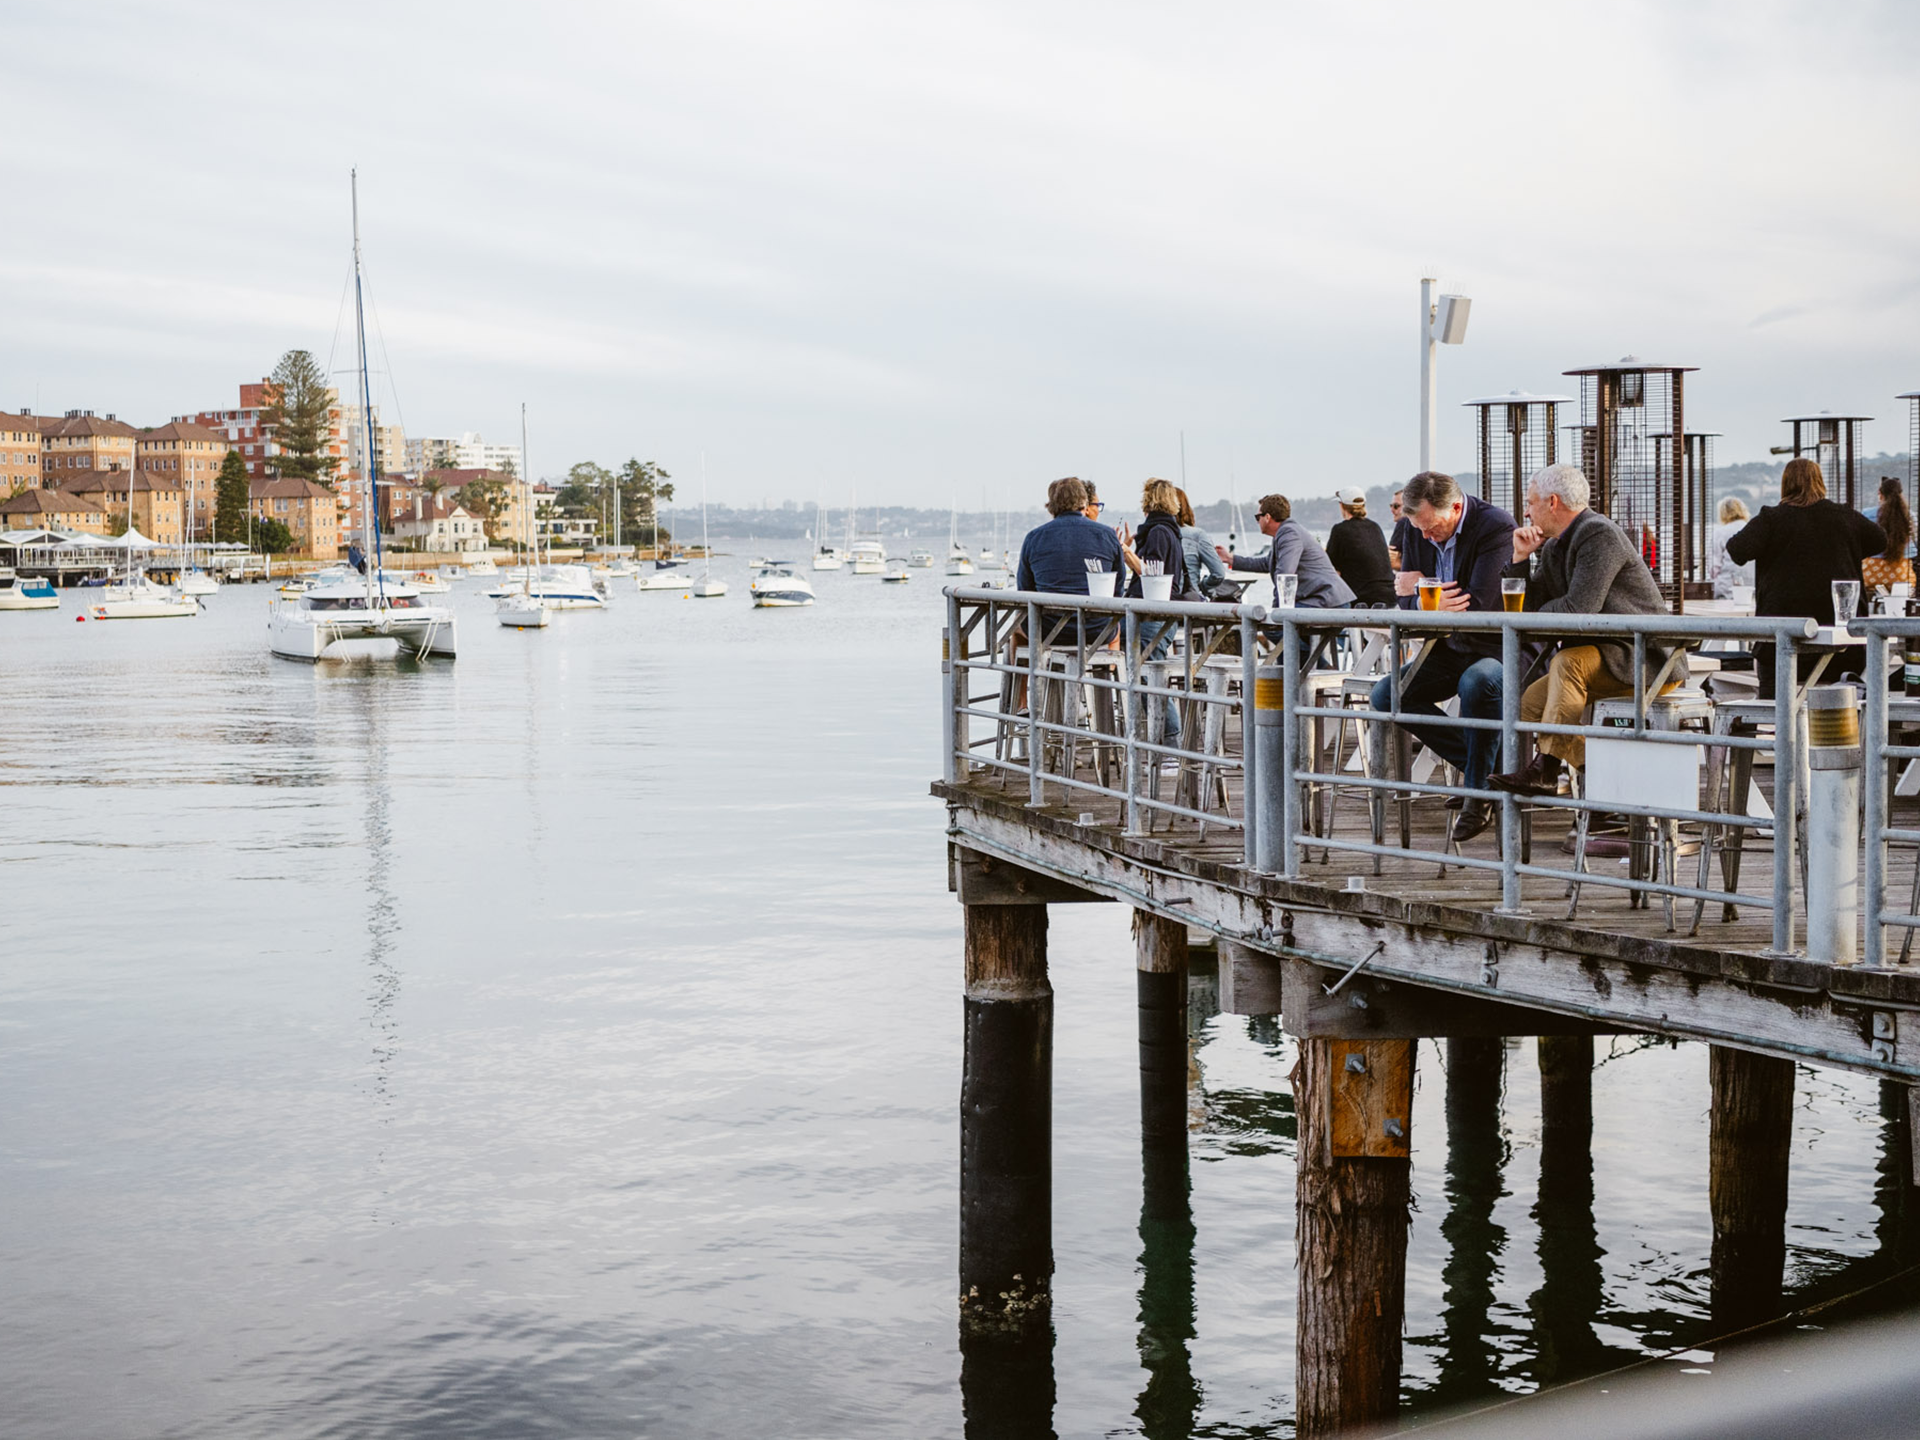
{"points": [[271, 537], [643, 484], [297, 418], [487, 497], [585, 490], [231, 493]]}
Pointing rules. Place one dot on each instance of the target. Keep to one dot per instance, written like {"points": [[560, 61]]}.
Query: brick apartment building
{"points": [[79, 442], [38, 508], [153, 501], [243, 431], [19, 453], [307, 508], [192, 454]]}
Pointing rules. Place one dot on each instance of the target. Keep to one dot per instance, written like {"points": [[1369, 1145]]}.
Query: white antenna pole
{"points": [[1429, 374]]}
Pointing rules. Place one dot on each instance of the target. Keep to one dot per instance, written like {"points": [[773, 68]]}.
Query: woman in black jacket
{"points": [[1799, 548], [1359, 552]]}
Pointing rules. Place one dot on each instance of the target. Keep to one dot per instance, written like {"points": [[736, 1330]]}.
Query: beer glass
{"points": [[1846, 600], [1513, 595], [1429, 593]]}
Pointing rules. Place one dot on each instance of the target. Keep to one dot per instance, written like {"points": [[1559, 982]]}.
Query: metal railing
{"points": [[1881, 757], [1030, 730]]}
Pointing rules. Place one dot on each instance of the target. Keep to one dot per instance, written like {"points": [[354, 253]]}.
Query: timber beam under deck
{"points": [[1498, 973]]}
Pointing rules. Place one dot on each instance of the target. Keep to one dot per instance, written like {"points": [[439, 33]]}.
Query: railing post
{"points": [[953, 681], [1833, 824], [1269, 757], [1135, 716], [1292, 800], [1036, 737], [1253, 787], [1873, 880], [1786, 785], [1510, 678]]}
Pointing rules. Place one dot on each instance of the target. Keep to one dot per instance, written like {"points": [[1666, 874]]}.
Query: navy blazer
{"points": [[1482, 552]]}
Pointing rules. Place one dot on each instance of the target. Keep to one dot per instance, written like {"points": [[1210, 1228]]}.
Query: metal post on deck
{"points": [[1873, 880], [1135, 717], [1786, 785], [1269, 757], [1509, 762], [1036, 710], [1833, 824], [1291, 800], [954, 688], [1252, 788]]}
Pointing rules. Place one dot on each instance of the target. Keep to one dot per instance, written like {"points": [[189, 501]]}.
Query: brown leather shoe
{"points": [[1540, 776], [1474, 817]]}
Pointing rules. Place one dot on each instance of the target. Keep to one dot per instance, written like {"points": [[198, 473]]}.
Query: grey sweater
{"points": [[1295, 552], [1592, 568]]}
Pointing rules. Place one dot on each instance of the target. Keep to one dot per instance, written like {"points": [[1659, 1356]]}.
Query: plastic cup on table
{"points": [[1289, 586], [1846, 600]]}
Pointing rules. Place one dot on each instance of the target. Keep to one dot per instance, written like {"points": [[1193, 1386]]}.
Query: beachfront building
{"points": [[80, 442], [468, 452], [244, 432], [193, 454], [37, 508], [389, 442], [440, 524], [307, 508], [19, 453], [152, 501]]}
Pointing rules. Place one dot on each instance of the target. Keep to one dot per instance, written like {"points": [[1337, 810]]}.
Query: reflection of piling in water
{"points": [[1476, 1154], [1170, 1402], [1571, 1292], [1006, 1120], [1750, 1137], [1006, 1384]]}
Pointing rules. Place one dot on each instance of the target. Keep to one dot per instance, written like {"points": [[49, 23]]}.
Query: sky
{"points": [[934, 254]]}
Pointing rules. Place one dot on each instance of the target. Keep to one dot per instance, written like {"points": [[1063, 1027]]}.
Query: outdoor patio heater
{"points": [[1696, 462], [1912, 397], [1519, 434], [1629, 412], [1834, 441]]}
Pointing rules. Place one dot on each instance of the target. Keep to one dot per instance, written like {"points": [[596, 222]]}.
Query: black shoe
{"points": [[1454, 802], [1539, 776], [1474, 817]]}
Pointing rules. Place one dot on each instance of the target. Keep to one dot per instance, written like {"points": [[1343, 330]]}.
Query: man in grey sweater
{"points": [[1293, 552], [1586, 565]]}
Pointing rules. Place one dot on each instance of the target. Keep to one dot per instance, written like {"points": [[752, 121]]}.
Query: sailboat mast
{"points": [[706, 550], [369, 471]]}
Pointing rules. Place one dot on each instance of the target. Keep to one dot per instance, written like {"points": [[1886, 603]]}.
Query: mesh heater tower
{"points": [[1629, 410], [1519, 434], [1834, 441], [1697, 463], [1912, 397]]}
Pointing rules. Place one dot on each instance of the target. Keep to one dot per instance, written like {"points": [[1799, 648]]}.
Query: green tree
{"points": [[643, 485], [487, 497], [271, 537], [585, 490], [230, 496], [296, 418]]}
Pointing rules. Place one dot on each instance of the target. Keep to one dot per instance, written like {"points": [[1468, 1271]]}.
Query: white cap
{"points": [[1351, 495]]}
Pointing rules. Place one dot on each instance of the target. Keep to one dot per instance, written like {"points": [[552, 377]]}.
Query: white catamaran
{"points": [[362, 604]]}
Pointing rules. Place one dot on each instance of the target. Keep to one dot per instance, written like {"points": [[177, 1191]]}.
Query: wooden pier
{"points": [[1360, 958]]}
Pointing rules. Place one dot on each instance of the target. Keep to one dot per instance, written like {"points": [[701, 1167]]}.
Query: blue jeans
{"points": [[1477, 683], [1156, 637]]}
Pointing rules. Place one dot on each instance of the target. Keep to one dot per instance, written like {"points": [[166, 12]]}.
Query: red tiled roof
{"points": [[34, 501]]}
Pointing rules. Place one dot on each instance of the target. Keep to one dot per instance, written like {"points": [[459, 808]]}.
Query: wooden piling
{"points": [[1469, 1363], [1351, 1195], [1571, 1291], [1750, 1139], [1160, 961], [1006, 1123], [1566, 1091]]}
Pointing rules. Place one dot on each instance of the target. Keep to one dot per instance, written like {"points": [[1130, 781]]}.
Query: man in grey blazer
{"points": [[1293, 552], [1585, 565]]}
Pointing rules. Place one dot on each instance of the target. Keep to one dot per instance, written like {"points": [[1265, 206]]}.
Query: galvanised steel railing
{"points": [[1024, 728], [1880, 711]]}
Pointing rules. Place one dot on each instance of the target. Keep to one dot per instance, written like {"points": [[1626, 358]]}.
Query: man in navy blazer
{"points": [[1466, 544]]}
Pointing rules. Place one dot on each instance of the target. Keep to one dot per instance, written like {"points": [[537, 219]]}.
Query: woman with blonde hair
{"points": [[1798, 549], [1722, 573]]}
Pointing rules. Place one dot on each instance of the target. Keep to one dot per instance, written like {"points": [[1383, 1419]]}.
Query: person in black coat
{"points": [[1359, 551], [1798, 549]]}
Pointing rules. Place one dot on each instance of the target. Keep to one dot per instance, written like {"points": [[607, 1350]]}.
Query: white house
{"points": [[441, 524]]}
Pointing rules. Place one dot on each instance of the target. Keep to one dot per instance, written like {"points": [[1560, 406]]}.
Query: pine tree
{"points": [[296, 418], [230, 499]]}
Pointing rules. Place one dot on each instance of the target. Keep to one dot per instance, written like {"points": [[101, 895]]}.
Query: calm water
{"points": [[566, 1041]]}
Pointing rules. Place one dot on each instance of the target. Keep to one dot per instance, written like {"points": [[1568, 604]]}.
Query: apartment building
{"points": [[79, 442], [389, 442], [243, 431], [37, 508], [309, 509], [468, 452], [193, 454], [441, 524], [152, 501], [19, 453]]}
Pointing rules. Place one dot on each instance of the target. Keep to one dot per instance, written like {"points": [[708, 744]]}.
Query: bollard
{"points": [[1269, 705], [1833, 824]]}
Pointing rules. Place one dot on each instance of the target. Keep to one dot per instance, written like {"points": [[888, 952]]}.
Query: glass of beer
{"points": [[1429, 593], [1513, 595]]}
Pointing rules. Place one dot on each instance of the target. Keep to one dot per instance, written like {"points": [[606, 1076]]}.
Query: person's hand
{"points": [[1406, 582], [1526, 540], [1452, 597], [1224, 553], [1393, 556]]}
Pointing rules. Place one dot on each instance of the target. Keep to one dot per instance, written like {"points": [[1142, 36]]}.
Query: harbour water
{"points": [[566, 1040]]}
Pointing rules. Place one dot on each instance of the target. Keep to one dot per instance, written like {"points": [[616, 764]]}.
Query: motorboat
{"points": [[869, 557], [197, 582], [827, 558], [483, 566], [921, 560], [136, 597], [300, 584], [28, 592], [896, 573], [426, 582], [570, 587], [959, 562], [989, 560], [781, 587], [359, 607], [671, 575]]}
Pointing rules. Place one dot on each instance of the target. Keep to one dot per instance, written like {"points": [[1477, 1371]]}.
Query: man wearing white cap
{"points": [[1359, 551]]}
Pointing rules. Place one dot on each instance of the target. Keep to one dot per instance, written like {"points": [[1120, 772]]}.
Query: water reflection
{"points": [[1169, 1405], [1006, 1385], [1476, 1159]]}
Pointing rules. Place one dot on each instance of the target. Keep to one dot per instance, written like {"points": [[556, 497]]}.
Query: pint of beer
{"points": [[1429, 593], [1513, 595]]}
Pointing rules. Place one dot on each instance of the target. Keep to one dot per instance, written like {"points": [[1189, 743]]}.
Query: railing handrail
{"points": [[1101, 605]]}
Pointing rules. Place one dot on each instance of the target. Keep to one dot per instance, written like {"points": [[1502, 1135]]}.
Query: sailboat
{"points": [[668, 573], [364, 605], [526, 608], [132, 595], [706, 587], [959, 562], [825, 556]]}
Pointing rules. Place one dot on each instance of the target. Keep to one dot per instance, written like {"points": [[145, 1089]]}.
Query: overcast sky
{"points": [[958, 250]]}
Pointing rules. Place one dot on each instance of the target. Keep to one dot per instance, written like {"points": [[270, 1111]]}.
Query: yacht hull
{"points": [[308, 635]]}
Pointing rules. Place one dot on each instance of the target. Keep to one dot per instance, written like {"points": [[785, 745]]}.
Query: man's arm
{"points": [[1591, 568], [1252, 562], [1491, 557], [1287, 546], [1747, 542], [1023, 576]]}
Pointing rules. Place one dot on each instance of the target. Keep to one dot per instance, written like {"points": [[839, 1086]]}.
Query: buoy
{"points": [[79, 619]]}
